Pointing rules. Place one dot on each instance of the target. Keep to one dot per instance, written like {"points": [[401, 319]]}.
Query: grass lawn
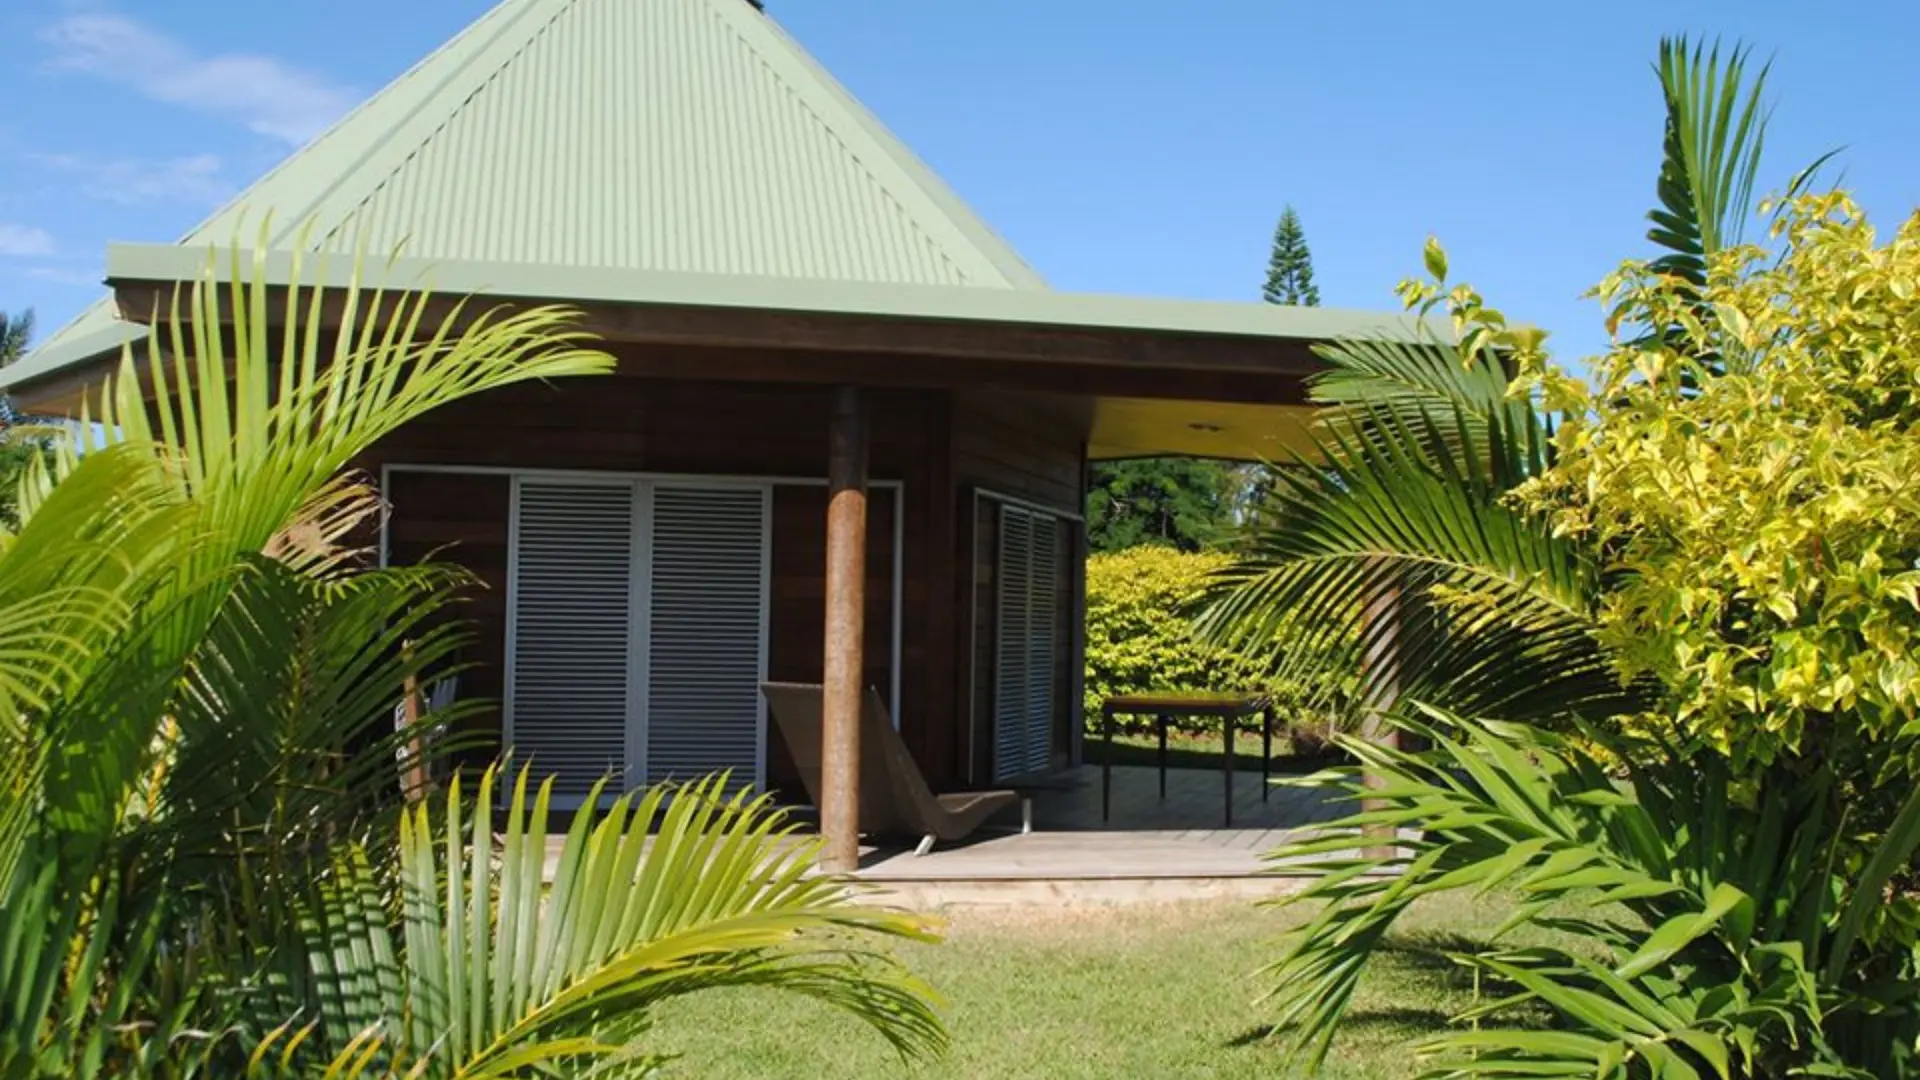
{"points": [[1151, 991], [1201, 752]]}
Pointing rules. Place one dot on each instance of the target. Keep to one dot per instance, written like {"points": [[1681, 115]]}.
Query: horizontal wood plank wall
{"points": [[462, 519], [633, 424], [1023, 445], [1032, 447]]}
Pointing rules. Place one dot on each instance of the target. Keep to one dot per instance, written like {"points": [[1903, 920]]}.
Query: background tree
{"points": [[1289, 281], [17, 446], [1290, 267], [1184, 503]]}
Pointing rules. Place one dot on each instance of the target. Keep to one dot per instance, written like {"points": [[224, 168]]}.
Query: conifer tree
{"points": [[1290, 269]]}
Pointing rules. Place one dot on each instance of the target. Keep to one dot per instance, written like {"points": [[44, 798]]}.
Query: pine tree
{"points": [[1290, 269]]}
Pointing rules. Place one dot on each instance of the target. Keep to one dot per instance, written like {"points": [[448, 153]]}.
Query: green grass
{"points": [[1200, 752], [1066, 993]]}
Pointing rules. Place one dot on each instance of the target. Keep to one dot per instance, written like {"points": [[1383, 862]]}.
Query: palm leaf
{"points": [[1714, 136], [496, 972], [1405, 498]]}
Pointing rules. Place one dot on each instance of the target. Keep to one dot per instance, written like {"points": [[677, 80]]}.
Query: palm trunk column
{"points": [[845, 633]]}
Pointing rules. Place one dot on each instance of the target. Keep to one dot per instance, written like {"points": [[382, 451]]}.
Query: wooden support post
{"points": [[413, 777], [845, 633]]}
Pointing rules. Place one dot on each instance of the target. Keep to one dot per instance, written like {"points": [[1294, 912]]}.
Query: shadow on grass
{"points": [[1419, 965], [1396, 1020]]}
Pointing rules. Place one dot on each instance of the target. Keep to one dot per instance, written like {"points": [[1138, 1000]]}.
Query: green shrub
{"points": [[1140, 640]]}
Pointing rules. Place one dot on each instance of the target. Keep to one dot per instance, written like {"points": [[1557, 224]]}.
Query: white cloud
{"points": [[195, 179], [269, 96], [24, 240]]}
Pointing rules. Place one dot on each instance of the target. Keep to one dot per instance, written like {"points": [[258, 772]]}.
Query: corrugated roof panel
{"points": [[655, 135], [688, 136]]}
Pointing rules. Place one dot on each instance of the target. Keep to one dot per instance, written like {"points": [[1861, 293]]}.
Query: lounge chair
{"points": [[894, 798]]}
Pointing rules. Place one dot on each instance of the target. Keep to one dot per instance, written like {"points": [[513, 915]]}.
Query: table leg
{"points": [[1230, 721], [1162, 721], [1106, 762], [1266, 751]]}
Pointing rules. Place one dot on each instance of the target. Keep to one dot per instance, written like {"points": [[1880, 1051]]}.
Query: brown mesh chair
{"points": [[894, 797]]}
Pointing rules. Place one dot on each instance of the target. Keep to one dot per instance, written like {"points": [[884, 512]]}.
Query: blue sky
{"points": [[1122, 146]]}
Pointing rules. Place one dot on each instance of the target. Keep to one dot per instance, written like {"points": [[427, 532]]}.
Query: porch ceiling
{"points": [[1149, 427]]}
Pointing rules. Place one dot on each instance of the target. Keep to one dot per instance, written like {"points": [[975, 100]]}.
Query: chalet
{"points": [[804, 316]]}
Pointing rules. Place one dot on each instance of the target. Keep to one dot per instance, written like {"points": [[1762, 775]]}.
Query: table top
{"points": [[1187, 703]]}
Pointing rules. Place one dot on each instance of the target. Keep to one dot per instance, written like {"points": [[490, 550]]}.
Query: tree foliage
{"points": [[20, 439], [1182, 503], [1762, 516]]}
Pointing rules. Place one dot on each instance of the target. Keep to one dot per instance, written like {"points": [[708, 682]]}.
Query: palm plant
{"points": [[1717, 925], [1398, 536], [16, 333], [202, 867], [1726, 921]]}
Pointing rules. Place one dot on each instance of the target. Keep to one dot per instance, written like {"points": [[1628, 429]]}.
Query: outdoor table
{"points": [[1230, 708]]}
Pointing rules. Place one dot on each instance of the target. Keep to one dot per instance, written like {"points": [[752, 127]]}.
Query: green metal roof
{"points": [[669, 136]]}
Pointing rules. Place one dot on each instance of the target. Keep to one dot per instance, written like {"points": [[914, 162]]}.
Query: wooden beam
{"points": [[845, 632]]}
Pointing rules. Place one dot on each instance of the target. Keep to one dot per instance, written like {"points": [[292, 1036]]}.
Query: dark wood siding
{"points": [[1027, 446], [462, 519]]}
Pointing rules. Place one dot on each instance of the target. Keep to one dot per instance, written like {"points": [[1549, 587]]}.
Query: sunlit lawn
{"points": [[1054, 994]]}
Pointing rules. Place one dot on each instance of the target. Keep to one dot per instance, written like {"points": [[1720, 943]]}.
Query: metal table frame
{"points": [[1230, 708]]}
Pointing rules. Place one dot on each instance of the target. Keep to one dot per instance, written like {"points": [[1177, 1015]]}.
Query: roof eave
{"points": [[1043, 317], [585, 286]]}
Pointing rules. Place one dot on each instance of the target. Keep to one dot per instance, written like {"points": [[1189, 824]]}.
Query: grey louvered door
{"points": [[637, 630], [706, 653], [1024, 669], [570, 591]]}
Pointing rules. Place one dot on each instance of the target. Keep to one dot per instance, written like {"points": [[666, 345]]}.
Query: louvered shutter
{"points": [[1023, 691], [570, 593], [1011, 654], [706, 647], [1042, 579]]}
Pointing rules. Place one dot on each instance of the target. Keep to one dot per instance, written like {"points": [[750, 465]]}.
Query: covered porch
{"points": [[868, 487]]}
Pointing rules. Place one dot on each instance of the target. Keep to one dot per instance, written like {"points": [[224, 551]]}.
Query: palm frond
{"points": [[1396, 537], [1710, 907], [1714, 137], [495, 972]]}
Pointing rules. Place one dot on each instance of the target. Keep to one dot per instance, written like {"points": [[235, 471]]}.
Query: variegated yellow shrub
{"points": [[1762, 520]]}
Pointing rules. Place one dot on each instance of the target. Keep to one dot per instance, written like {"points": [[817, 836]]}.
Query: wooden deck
{"points": [[1149, 850]]}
